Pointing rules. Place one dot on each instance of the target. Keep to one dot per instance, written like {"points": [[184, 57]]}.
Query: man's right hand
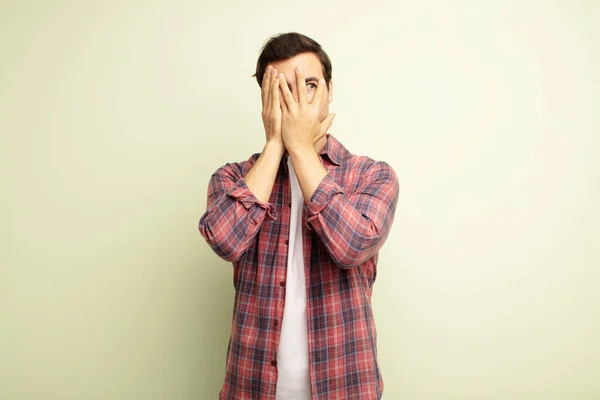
{"points": [[261, 177], [271, 106]]}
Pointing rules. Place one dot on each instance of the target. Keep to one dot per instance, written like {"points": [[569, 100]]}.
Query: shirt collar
{"points": [[334, 150]]}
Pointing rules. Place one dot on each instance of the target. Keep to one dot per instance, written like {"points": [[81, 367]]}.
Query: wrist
{"points": [[302, 150], [275, 146]]}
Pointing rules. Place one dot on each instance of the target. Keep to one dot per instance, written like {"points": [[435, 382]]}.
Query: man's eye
{"points": [[311, 85]]}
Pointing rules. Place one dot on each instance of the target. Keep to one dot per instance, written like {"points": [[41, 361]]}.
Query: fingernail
{"points": [[282, 76], [298, 69], [322, 81]]}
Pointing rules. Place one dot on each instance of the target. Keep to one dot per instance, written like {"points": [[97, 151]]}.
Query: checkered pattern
{"points": [[344, 226]]}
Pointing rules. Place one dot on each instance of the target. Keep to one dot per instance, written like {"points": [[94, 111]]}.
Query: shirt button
{"points": [[282, 283], [273, 363], [287, 242], [276, 322], [289, 204]]}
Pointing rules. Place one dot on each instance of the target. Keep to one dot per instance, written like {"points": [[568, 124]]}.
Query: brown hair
{"points": [[287, 45]]}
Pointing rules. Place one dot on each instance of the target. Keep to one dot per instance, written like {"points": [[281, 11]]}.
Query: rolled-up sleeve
{"points": [[233, 214], [354, 226]]}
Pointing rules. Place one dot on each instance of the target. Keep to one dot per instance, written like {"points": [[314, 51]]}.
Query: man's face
{"points": [[312, 71]]}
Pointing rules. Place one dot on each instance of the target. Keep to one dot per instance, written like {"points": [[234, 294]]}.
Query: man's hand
{"points": [[271, 112], [301, 125], [261, 177]]}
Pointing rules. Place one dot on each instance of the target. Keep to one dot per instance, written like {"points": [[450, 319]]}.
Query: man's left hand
{"points": [[301, 125]]}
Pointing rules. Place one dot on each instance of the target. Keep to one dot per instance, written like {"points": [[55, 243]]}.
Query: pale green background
{"points": [[114, 114]]}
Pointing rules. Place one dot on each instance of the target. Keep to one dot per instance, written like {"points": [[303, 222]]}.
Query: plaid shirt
{"points": [[344, 226]]}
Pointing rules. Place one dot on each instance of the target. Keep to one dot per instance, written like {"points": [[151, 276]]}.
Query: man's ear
{"points": [[330, 91]]}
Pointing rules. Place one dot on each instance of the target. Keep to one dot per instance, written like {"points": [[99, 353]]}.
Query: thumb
{"points": [[326, 124]]}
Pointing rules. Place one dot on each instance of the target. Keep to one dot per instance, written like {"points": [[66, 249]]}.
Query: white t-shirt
{"points": [[293, 379]]}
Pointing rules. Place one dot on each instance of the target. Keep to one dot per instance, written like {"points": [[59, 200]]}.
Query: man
{"points": [[302, 222]]}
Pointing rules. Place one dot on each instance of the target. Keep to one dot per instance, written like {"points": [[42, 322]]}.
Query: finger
{"points": [[288, 98], [325, 125], [275, 94], [321, 93], [265, 86], [301, 86], [282, 103]]}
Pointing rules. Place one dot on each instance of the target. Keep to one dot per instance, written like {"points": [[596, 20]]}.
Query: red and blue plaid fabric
{"points": [[344, 226]]}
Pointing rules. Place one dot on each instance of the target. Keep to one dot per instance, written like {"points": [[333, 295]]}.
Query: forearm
{"points": [[309, 170], [352, 239], [233, 213], [229, 228], [261, 177], [354, 226]]}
